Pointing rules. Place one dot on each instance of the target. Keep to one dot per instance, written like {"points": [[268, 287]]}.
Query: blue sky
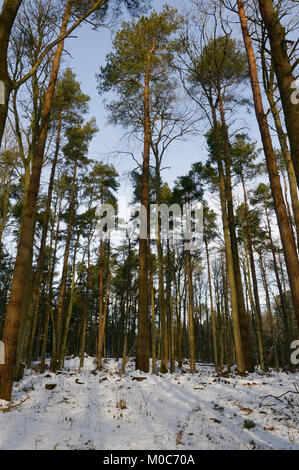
{"points": [[87, 54]]}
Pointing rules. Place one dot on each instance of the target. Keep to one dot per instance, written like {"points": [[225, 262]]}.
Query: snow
{"points": [[180, 411]]}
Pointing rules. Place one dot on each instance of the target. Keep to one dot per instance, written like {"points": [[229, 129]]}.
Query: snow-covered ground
{"points": [[181, 411]]}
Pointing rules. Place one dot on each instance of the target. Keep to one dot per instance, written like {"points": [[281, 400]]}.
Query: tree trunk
{"points": [[162, 306], [85, 309], [62, 290], [284, 149], [229, 257], [286, 234], [23, 258], [243, 318], [284, 75], [7, 18], [254, 281], [33, 308], [70, 307], [274, 341], [212, 309], [103, 309], [142, 353], [190, 312]]}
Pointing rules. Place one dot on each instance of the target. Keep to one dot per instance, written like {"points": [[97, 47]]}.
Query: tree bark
{"points": [[23, 258], [142, 353], [243, 318], [284, 75], [286, 234], [7, 18], [62, 289]]}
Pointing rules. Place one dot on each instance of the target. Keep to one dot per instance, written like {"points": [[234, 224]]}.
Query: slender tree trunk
{"points": [[70, 307], [228, 338], [162, 307], [169, 303], [85, 309], [127, 316], [190, 312], [254, 280], [179, 328], [265, 283], [243, 318], [212, 308], [229, 257], [103, 310], [153, 318], [101, 300], [50, 296], [284, 308], [142, 353], [62, 290]]}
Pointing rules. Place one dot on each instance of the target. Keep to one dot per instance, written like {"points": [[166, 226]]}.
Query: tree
{"points": [[209, 227], [212, 74], [284, 71], [243, 160], [69, 105], [8, 15], [286, 234], [261, 196], [186, 191], [80, 12], [141, 62], [75, 151]]}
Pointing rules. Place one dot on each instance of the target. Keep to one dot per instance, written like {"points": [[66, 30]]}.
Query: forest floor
{"points": [[181, 411]]}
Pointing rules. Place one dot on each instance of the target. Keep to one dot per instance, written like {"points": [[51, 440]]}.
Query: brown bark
{"points": [[243, 318], [33, 309], [169, 303], [212, 307], [162, 307], [103, 306], [286, 234], [265, 283], [23, 258], [254, 278], [284, 75], [62, 290], [101, 299], [228, 249], [127, 314], [7, 18], [190, 312], [142, 353], [85, 308]]}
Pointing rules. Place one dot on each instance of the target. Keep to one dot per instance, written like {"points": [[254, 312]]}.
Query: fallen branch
{"points": [[10, 407], [296, 392]]}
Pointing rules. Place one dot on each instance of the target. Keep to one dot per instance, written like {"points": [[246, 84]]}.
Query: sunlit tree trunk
{"points": [[142, 353], [24, 251], [285, 76], [286, 234]]}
